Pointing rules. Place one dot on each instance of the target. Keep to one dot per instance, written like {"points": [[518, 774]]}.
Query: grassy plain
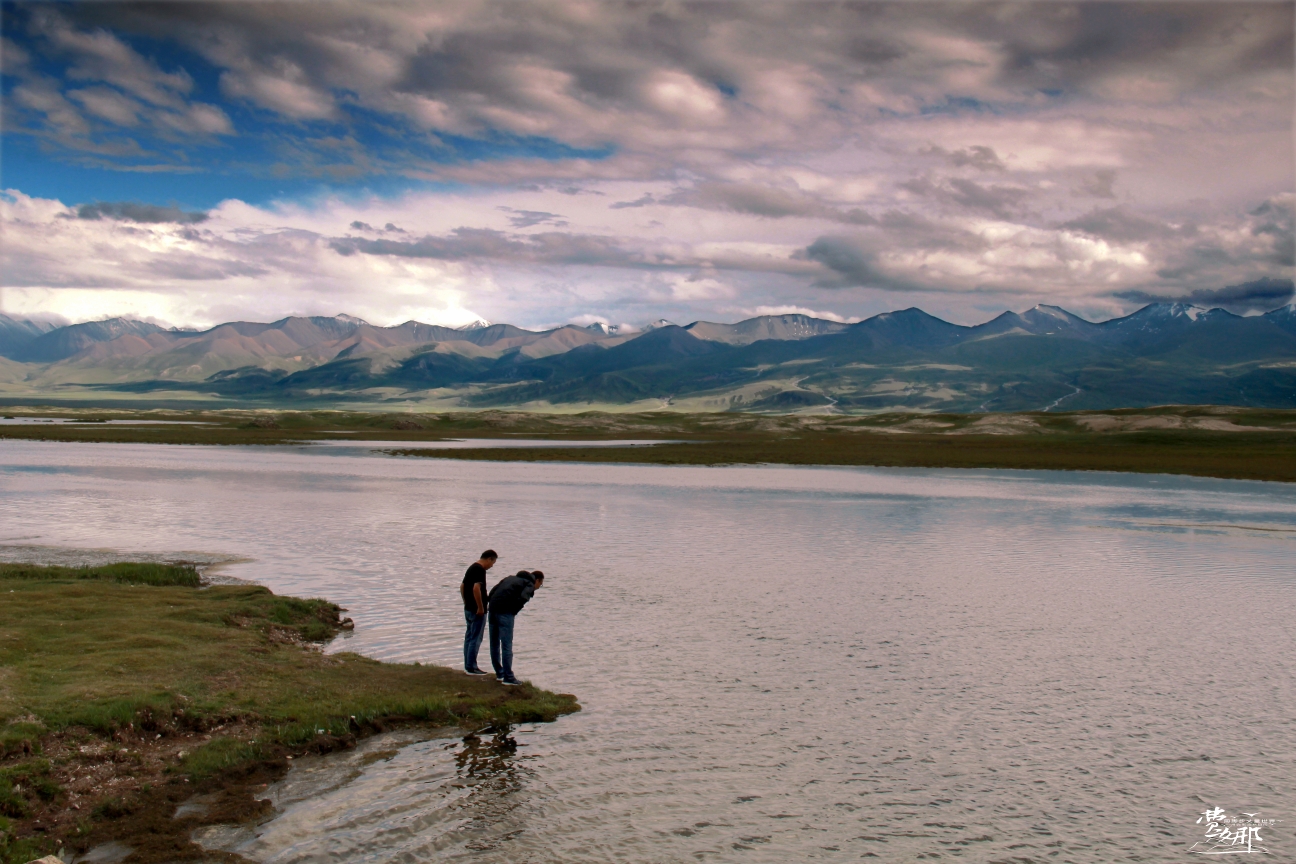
{"points": [[1197, 440], [1259, 457], [125, 689]]}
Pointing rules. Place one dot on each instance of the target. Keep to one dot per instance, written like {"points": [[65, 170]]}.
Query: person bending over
{"points": [[505, 601], [473, 592]]}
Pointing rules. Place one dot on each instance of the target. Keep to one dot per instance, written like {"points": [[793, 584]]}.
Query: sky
{"points": [[551, 162]]}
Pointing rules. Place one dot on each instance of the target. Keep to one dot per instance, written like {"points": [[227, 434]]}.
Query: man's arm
{"points": [[477, 595]]}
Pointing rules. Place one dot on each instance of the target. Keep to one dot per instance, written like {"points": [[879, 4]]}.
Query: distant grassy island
{"points": [[125, 689], [1206, 441]]}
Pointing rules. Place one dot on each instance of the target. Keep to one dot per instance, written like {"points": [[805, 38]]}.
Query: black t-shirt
{"points": [[476, 575]]}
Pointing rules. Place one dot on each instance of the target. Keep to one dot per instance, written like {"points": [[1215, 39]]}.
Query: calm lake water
{"points": [[775, 664]]}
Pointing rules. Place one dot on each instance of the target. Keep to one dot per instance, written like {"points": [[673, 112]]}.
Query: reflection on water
{"points": [[775, 664], [490, 769], [414, 798]]}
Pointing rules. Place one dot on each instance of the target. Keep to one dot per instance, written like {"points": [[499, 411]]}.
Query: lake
{"points": [[776, 664]]}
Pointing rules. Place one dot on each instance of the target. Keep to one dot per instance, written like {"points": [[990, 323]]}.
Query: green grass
{"points": [[21, 783], [128, 574], [110, 652], [21, 849]]}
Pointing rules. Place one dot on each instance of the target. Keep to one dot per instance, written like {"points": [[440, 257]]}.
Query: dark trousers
{"points": [[473, 638], [501, 644]]}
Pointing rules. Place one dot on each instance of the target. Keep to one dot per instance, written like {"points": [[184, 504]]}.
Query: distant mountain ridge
{"points": [[17, 333], [1043, 357]]}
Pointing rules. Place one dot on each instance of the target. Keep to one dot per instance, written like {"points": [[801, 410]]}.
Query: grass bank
{"points": [[127, 689]]}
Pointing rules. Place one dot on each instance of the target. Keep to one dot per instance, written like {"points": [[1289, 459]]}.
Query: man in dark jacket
{"points": [[505, 601]]}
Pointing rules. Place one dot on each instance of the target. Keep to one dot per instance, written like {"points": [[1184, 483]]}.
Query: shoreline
{"points": [[127, 692]]}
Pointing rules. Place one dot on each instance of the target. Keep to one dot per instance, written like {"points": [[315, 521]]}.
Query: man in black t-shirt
{"points": [[473, 592]]}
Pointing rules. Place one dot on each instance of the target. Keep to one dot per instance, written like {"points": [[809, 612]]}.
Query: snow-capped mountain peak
{"points": [[479, 324], [659, 323], [1187, 309]]}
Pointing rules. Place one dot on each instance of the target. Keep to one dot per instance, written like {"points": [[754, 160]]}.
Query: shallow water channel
{"points": [[775, 664]]}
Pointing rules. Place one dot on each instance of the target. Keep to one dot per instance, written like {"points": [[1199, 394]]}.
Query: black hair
{"points": [[491, 554], [537, 575]]}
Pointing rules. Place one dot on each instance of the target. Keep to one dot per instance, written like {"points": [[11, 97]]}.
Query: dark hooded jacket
{"points": [[511, 593]]}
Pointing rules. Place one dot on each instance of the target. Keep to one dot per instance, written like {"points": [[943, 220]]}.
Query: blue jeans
{"points": [[501, 645], [473, 638]]}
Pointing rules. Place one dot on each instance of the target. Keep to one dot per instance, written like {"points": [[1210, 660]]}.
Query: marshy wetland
{"points": [[773, 663], [1204, 441]]}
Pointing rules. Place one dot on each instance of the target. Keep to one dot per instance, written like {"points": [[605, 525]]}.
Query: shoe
{"points": [[509, 682], [475, 672]]}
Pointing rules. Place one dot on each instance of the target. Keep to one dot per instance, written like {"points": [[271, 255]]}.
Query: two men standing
{"points": [[498, 608]]}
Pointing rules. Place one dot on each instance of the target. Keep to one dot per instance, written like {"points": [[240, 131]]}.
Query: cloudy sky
{"points": [[550, 162]]}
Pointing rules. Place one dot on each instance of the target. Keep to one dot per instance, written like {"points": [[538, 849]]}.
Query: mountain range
{"points": [[1044, 358]]}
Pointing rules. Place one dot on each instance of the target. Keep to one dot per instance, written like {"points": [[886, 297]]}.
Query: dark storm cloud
{"points": [[1098, 185], [756, 200], [852, 263], [912, 230], [1259, 295], [1119, 225], [130, 211], [462, 244], [1087, 45], [999, 201], [860, 260], [977, 156], [1265, 240], [1274, 219], [561, 248], [471, 244], [642, 201], [531, 218]]}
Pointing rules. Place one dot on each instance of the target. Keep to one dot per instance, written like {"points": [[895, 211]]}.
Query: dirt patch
{"points": [[110, 776], [919, 425], [1000, 424], [1143, 422], [1215, 424], [1129, 423]]}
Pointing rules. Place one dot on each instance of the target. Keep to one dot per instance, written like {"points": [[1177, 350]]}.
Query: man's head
{"points": [[538, 576], [488, 559]]}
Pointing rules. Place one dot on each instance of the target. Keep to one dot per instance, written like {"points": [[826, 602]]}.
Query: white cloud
{"points": [[801, 310]]}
